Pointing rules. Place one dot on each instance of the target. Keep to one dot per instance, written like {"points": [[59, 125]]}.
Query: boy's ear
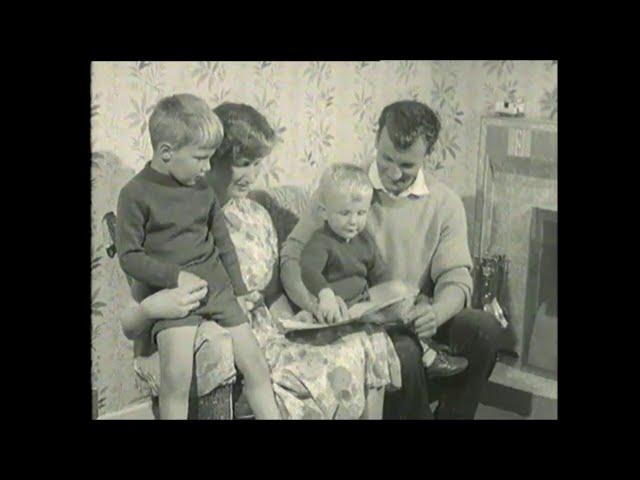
{"points": [[166, 151], [322, 211]]}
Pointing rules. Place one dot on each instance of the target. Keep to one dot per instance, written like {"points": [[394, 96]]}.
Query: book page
{"points": [[381, 296]]}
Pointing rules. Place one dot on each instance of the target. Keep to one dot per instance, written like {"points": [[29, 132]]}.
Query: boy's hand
{"points": [[328, 308], [188, 279], [249, 301]]}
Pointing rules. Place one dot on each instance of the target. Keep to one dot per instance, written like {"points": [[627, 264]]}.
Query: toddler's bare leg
{"points": [[175, 346], [374, 404], [251, 362]]}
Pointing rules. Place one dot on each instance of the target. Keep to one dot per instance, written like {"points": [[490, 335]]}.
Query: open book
{"points": [[381, 296]]}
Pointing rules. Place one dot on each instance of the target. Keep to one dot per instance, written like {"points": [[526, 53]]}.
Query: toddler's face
{"points": [[190, 162], [345, 213]]}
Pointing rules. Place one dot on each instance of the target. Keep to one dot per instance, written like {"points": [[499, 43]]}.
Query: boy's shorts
{"points": [[219, 305]]}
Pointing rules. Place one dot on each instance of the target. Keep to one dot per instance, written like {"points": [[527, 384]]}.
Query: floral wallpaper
{"points": [[324, 112]]}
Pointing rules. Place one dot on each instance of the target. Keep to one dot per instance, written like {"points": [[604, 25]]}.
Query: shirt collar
{"points": [[418, 188]]}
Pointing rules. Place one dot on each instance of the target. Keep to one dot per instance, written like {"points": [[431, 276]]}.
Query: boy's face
{"points": [[345, 213], [188, 163]]}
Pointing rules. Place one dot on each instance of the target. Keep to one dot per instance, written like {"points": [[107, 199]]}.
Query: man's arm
{"points": [[450, 272], [290, 273], [227, 250], [451, 263], [449, 301], [130, 236]]}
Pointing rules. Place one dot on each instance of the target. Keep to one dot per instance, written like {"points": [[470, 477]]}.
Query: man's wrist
{"points": [[441, 314]]}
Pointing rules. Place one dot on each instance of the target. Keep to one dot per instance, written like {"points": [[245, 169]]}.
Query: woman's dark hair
{"points": [[406, 120], [247, 134]]}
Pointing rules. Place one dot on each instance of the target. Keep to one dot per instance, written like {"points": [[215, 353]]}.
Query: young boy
{"points": [[342, 259], [170, 232]]}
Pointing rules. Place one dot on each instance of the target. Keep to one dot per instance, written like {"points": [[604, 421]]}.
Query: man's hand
{"points": [[175, 302], [424, 320], [329, 309]]}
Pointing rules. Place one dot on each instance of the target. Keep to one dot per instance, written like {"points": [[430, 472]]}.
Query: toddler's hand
{"points": [[188, 279], [328, 308]]}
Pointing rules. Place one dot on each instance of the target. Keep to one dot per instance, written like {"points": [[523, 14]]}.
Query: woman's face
{"points": [[243, 175]]}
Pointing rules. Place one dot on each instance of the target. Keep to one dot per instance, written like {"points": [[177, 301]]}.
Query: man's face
{"points": [[190, 162], [398, 170], [345, 213]]}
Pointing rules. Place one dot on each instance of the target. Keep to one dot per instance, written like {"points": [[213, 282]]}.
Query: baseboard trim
{"points": [[139, 411], [518, 379]]}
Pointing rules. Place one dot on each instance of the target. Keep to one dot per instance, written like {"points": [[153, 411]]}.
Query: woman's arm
{"points": [[167, 303]]}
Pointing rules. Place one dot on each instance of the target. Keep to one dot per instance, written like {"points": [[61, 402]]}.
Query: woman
{"points": [[333, 373]]}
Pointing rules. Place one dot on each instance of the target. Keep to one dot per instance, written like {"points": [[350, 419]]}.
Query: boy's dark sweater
{"points": [[163, 227], [348, 268]]}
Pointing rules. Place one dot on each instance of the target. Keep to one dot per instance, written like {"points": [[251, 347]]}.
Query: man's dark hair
{"points": [[406, 120]]}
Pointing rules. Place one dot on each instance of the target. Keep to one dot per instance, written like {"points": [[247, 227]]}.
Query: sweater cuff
{"points": [[240, 290], [171, 276], [316, 286], [460, 277]]}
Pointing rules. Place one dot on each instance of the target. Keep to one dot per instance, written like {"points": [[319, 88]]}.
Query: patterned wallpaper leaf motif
{"points": [[317, 72], [219, 97], [447, 104], [360, 67], [499, 67], [360, 104], [549, 102], [267, 101], [141, 110], [406, 70], [319, 110], [149, 74], [209, 73], [271, 173]]}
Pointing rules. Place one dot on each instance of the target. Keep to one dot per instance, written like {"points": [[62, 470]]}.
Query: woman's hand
{"points": [[175, 302]]}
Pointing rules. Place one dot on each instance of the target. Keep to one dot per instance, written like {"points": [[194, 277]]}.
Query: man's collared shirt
{"points": [[417, 188]]}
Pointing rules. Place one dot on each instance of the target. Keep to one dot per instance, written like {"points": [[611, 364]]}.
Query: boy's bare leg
{"points": [[374, 404], [257, 377], [175, 346]]}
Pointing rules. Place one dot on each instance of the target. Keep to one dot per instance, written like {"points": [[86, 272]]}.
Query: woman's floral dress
{"points": [[316, 375]]}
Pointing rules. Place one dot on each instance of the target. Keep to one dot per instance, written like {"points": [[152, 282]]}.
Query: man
{"points": [[420, 227]]}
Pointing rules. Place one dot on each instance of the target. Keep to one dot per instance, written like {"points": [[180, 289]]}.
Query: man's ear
{"points": [[166, 151]]}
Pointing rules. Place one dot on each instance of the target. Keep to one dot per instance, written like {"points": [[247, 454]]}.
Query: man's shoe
{"points": [[446, 365]]}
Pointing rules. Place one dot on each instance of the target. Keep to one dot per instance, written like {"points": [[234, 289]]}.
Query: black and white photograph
{"points": [[324, 240]]}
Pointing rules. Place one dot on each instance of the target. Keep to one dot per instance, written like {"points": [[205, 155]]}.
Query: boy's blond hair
{"points": [[347, 178], [184, 119]]}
